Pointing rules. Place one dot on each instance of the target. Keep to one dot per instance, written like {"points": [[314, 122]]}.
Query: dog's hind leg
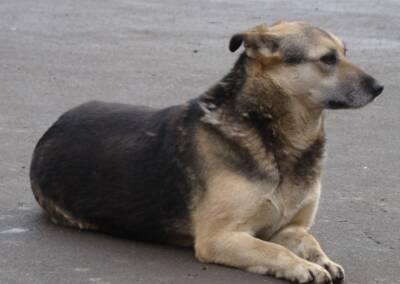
{"points": [[57, 214]]}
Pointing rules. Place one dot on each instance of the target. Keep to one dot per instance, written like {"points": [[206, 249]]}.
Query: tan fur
{"points": [[263, 226], [299, 119]]}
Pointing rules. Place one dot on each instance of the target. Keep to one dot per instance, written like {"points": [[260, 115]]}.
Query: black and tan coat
{"points": [[235, 173]]}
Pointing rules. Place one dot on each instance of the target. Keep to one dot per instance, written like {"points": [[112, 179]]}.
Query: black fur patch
{"points": [[238, 158], [301, 170], [293, 55], [229, 87], [117, 166], [307, 167]]}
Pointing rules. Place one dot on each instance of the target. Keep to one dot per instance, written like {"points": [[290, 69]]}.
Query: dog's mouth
{"points": [[352, 99], [342, 104], [337, 104]]}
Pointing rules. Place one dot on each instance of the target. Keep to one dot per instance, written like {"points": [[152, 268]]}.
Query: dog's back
{"points": [[112, 167]]}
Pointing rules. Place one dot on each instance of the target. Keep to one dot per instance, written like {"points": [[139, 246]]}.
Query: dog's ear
{"points": [[256, 39], [236, 42]]}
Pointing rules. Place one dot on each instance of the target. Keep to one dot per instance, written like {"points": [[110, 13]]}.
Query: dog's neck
{"points": [[294, 121], [284, 120], [267, 123]]}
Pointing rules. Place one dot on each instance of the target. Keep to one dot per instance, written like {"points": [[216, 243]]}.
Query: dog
{"points": [[234, 173]]}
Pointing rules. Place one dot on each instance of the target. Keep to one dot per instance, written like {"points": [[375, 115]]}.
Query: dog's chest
{"points": [[284, 204], [296, 185], [259, 192]]}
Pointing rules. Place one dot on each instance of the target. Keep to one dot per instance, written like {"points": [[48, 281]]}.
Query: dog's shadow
{"points": [[115, 258]]}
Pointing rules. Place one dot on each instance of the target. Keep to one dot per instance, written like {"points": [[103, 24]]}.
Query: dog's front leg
{"points": [[242, 250], [297, 239]]}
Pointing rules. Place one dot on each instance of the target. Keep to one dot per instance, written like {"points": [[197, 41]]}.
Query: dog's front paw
{"points": [[335, 270], [306, 272]]}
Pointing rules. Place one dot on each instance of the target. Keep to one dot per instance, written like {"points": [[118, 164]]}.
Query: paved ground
{"points": [[57, 54]]}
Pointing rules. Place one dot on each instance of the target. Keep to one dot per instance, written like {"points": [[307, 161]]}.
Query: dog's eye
{"points": [[330, 58]]}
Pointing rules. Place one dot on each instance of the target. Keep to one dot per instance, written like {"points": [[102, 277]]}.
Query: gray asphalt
{"points": [[57, 54]]}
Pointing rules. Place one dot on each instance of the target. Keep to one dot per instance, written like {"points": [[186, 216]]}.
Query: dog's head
{"points": [[306, 61]]}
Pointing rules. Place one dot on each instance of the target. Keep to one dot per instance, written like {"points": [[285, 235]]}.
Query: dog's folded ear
{"points": [[256, 38], [236, 42]]}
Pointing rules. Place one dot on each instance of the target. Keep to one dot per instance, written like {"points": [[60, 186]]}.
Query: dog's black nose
{"points": [[377, 89], [372, 86]]}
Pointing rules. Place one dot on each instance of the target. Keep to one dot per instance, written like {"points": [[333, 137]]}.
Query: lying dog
{"points": [[234, 173]]}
